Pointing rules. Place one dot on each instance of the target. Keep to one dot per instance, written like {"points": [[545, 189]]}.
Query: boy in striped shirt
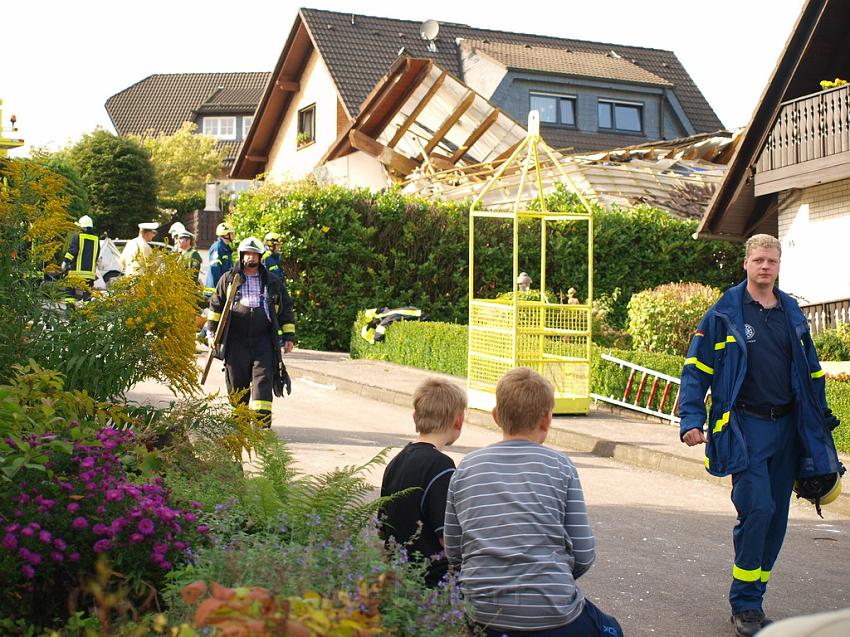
{"points": [[517, 526]]}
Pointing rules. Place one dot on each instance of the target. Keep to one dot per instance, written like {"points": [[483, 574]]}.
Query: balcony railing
{"points": [[824, 316], [811, 127]]}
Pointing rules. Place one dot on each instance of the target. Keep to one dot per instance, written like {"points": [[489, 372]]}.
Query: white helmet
{"points": [[85, 222], [251, 244], [176, 228]]}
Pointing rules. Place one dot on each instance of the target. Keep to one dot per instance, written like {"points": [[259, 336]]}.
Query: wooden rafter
{"points": [[392, 159], [287, 86], [450, 121], [476, 135], [419, 108]]}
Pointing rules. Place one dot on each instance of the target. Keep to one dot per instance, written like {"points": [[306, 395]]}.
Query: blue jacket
{"points": [[220, 261], [271, 261], [717, 358]]}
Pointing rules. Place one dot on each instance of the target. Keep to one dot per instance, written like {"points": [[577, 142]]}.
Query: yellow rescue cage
{"points": [[530, 329]]}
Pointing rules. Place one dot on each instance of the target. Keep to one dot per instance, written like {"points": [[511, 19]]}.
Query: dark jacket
{"points": [[717, 358], [280, 308], [220, 261], [81, 257]]}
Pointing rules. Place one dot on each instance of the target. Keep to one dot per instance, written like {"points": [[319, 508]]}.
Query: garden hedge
{"points": [[442, 347], [345, 250]]}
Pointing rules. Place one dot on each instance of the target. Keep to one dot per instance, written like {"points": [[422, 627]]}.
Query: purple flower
{"points": [[195, 504], [114, 495], [146, 526], [12, 528], [73, 557], [10, 542], [79, 523], [135, 538], [203, 528], [165, 565], [190, 517], [28, 571], [45, 537], [87, 463], [59, 543], [27, 531], [57, 556], [101, 546], [100, 529], [73, 506]]}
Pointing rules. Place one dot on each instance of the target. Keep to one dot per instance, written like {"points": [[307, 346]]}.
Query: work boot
{"points": [[747, 622]]}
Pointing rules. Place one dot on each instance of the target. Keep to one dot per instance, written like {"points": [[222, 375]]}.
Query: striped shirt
{"points": [[516, 522]]}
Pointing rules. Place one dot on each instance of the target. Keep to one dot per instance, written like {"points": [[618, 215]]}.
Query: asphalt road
{"points": [[664, 542]]}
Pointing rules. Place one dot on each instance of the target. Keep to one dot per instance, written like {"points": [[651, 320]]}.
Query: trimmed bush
{"points": [[834, 344], [440, 347], [663, 319], [345, 250], [838, 398]]}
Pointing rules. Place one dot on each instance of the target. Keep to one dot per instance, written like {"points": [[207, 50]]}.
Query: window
{"points": [[220, 127], [246, 125], [622, 116], [554, 109], [306, 125]]}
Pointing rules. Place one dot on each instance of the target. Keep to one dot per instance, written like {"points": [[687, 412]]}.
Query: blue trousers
{"points": [[761, 495], [591, 623]]}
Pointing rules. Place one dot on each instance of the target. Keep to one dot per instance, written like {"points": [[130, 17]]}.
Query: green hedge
{"points": [[440, 347], [346, 250]]}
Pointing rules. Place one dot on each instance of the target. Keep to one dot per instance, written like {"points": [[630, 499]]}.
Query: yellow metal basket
{"points": [[551, 338]]}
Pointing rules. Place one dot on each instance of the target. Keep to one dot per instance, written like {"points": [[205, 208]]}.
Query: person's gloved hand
{"points": [[830, 419], [287, 382]]}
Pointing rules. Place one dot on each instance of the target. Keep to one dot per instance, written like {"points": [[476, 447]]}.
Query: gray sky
{"points": [[62, 60]]}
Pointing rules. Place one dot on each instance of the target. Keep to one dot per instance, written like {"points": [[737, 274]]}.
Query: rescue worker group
{"points": [[250, 337], [768, 427]]}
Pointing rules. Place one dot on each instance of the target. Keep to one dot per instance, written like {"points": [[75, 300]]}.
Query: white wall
{"points": [[286, 160], [814, 228], [354, 170]]}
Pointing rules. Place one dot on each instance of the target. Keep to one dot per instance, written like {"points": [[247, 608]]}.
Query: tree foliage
{"points": [[119, 176], [183, 162]]}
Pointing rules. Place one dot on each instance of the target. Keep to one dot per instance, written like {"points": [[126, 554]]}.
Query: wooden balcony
{"points": [[824, 316], [809, 143]]}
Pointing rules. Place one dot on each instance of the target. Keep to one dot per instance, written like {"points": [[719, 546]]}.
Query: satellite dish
{"points": [[429, 30]]}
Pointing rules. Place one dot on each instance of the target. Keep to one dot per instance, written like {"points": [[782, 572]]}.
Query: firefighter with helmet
{"points": [[220, 258], [80, 258], [271, 257], [259, 326]]}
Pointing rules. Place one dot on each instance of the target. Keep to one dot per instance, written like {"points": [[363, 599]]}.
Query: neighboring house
{"points": [[591, 96], [221, 104], [790, 174]]}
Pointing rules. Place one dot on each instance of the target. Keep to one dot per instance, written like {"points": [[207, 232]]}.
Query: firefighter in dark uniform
{"points": [[260, 325], [80, 260]]}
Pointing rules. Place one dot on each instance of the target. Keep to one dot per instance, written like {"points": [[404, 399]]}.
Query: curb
{"points": [[624, 452]]}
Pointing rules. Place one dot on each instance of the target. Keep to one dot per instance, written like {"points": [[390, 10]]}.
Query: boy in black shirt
{"points": [[416, 519]]}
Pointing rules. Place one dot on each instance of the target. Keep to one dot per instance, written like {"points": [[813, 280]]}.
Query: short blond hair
{"points": [[523, 397], [762, 241], [436, 405]]}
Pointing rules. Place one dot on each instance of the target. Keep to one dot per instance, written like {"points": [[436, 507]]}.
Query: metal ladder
{"points": [[642, 400]]}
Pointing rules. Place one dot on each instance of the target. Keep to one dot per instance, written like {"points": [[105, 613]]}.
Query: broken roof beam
{"points": [[450, 121], [416, 111], [476, 135], [392, 159]]}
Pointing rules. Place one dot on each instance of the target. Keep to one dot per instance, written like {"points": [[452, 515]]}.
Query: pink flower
{"points": [[59, 543], [28, 571], [114, 495], [190, 517], [56, 556], [87, 463], [10, 542], [135, 538], [100, 529], [102, 546], [79, 523], [146, 526], [27, 531], [73, 506], [45, 537], [203, 528]]}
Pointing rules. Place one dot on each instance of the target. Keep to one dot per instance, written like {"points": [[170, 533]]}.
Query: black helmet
{"points": [[820, 490]]}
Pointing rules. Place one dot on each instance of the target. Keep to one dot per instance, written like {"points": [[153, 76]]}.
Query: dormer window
{"points": [[220, 127], [553, 108], [621, 116]]}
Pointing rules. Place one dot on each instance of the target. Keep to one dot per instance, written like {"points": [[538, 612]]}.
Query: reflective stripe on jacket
{"points": [[82, 254], [717, 358]]}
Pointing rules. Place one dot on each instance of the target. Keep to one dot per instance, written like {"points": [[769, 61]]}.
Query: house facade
{"points": [[790, 175], [591, 96], [222, 105]]}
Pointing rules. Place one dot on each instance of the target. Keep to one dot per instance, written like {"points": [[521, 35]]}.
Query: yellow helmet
{"points": [[271, 236], [223, 229], [820, 490]]}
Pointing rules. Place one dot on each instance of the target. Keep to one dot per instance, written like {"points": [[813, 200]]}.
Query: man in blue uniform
{"points": [[220, 257], [271, 257], [769, 423]]}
